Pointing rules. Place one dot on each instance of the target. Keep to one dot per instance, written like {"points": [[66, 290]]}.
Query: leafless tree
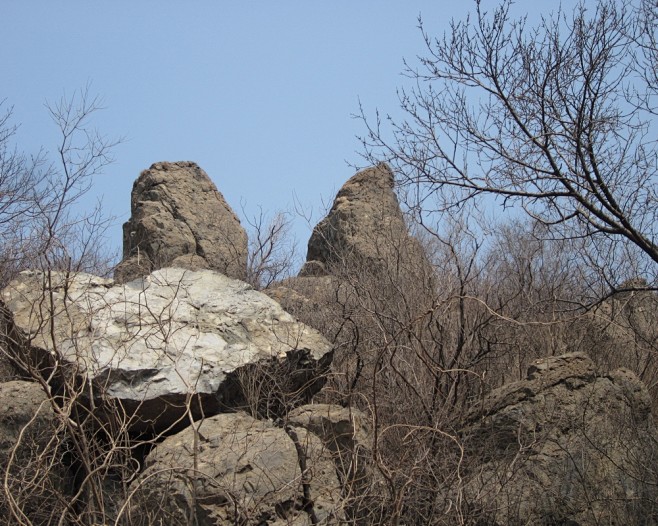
{"points": [[42, 226], [22, 181], [272, 250], [40, 221], [555, 119]]}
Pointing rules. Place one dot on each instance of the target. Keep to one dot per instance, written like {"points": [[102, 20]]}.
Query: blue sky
{"points": [[260, 94]]}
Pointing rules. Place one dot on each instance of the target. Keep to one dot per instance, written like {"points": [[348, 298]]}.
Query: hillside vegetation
{"points": [[471, 339]]}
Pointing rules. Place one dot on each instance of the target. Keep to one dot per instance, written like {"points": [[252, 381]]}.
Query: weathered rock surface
{"points": [[622, 332], [364, 239], [565, 446], [20, 403], [364, 227], [174, 343], [30, 455], [363, 210], [346, 432], [233, 469], [312, 299], [347, 435], [179, 219]]}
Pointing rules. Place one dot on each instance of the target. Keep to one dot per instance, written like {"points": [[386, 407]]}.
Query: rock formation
{"points": [[566, 446], [361, 258], [8, 348], [234, 469], [179, 219], [364, 227], [364, 236], [344, 431], [30, 455], [174, 342]]}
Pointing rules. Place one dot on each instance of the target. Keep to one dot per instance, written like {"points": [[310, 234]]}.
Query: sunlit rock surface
{"points": [[175, 342], [180, 219]]}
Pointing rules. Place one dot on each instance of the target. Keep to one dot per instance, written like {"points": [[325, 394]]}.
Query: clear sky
{"points": [[259, 93]]}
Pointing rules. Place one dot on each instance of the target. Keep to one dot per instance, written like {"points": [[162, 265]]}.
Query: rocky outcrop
{"points": [[363, 239], [566, 446], [175, 345], [347, 435], [364, 227], [233, 469], [31, 453], [363, 270], [181, 395], [179, 219], [621, 331]]}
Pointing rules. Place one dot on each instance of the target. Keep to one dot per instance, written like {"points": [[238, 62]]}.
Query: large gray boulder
{"points": [[232, 469], [179, 219], [176, 345], [568, 445]]}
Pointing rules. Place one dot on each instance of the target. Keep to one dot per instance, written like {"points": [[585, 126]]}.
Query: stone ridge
{"points": [[180, 219]]}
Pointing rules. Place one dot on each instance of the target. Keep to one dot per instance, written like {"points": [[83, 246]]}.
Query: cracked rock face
{"points": [[568, 445], [235, 469], [178, 342], [347, 435], [179, 219]]}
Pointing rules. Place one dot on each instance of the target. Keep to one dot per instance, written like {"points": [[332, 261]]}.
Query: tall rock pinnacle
{"points": [[180, 219], [365, 226]]}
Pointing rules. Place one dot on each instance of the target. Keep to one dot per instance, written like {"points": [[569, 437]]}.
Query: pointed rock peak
{"points": [[179, 218], [375, 179], [365, 225]]}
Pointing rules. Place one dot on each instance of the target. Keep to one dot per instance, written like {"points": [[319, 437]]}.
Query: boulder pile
{"points": [[177, 352], [177, 394]]}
